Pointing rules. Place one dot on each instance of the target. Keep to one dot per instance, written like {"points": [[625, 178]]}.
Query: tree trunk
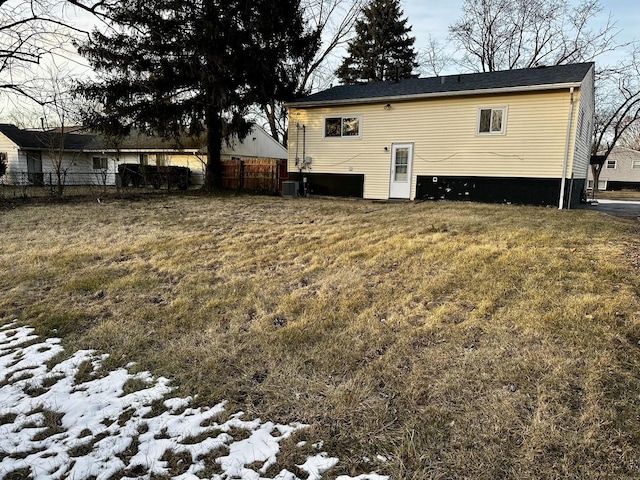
{"points": [[595, 171], [270, 111], [213, 172]]}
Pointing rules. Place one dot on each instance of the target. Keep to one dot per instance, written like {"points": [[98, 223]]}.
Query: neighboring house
{"points": [[30, 154], [520, 136], [34, 156], [257, 144], [621, 170]]}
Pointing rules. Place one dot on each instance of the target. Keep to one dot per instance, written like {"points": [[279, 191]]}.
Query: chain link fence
{"points": [[25, 184]]}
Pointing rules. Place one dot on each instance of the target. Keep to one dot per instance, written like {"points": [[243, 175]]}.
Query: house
{"points": [[621, 170], [34, 157], [520, 136]]}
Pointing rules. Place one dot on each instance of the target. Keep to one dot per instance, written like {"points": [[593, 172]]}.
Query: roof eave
{"points": [[421, 96]]}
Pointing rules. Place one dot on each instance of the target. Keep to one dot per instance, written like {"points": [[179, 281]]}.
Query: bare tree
{"points": [[60, 112], [433, 59], [617, 110], [631, 138], [509, 34], [332, 21], [30, 32]]}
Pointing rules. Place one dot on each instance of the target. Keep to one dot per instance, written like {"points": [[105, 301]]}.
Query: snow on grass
{"points": [[59, 421]]}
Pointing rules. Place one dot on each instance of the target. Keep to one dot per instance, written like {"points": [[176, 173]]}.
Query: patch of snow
{"points": [[59, 426], [315, 466]]}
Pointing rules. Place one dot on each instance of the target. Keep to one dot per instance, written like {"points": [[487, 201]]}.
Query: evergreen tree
{"points": [[382, 48], [172, 67]]}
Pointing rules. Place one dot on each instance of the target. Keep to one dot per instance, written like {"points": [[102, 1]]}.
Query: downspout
{"points": [[563, 182], [304, 159], [297, 143]]}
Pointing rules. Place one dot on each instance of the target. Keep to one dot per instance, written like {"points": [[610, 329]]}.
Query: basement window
{"points": [[492, 121], [602, 184], [342, 127], [100, 163]]}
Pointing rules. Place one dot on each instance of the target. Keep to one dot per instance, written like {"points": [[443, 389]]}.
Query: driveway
{"points": [[618, 208]]}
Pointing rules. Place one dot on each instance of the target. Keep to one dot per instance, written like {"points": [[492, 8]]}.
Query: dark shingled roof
{"points": [[39, 140], [74, 141], [543, 77]]}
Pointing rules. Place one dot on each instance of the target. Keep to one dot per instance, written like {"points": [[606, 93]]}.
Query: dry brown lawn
{"points": [[630, 195], [457, 340]]}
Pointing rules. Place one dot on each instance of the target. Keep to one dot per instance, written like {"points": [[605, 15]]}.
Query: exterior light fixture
{"points": [[387, 106]]}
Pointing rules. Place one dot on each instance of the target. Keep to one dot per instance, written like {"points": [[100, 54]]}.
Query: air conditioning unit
{"points": [[290, 189]]}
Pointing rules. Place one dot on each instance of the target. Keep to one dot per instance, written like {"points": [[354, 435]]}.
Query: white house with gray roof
{"points": [[517, 136], [86, 158]]}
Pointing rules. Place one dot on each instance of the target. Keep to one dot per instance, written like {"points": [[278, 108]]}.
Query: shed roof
{"points": [[540, 78]]}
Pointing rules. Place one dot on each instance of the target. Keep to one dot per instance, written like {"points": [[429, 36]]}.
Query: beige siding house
{"points": [[520, 136]]}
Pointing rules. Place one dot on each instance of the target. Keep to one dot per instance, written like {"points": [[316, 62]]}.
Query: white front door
{"points": [[401, 159]]}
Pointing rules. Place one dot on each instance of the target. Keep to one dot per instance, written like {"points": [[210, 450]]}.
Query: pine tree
{"points": [[382, 49], [172, 67]]}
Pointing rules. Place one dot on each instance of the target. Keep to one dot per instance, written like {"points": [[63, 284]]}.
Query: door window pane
{"points": [[402, 163]]}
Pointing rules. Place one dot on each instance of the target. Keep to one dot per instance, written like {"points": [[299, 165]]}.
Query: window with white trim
{"points": [[635, 164], [100, 163], [492, 121], [612, 164], [602, 184], [348, 127]]}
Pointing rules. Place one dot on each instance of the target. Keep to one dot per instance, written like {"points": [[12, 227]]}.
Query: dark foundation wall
{"points": [[578, 191], [333, 184], [613, 185], [527, 191]]}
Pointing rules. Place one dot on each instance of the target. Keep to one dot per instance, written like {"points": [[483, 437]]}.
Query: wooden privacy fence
{"points": [[256, 174]]}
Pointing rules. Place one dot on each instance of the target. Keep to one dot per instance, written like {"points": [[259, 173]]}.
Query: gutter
{"points": [[563, 182], [420, 96]]}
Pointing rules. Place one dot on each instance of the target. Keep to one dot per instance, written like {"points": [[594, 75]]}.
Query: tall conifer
{"points": [[382, 48], [174, 67]]}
